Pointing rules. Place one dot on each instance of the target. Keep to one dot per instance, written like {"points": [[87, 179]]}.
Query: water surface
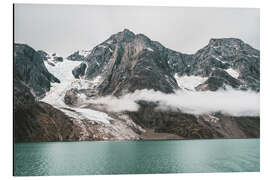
{"points": [[132, 157]]}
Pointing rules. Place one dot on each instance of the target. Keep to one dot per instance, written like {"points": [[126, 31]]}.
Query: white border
{"points": [[6, 85]]}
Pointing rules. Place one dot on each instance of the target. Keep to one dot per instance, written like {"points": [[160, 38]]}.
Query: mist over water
{"points": [[233, 102]]}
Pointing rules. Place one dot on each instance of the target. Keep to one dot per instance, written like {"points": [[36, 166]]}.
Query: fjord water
{"points": [[130, 157]]}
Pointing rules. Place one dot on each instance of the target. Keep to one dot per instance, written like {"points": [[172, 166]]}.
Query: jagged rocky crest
{"points": [[221, 56], [127, 62], [79, 55]]}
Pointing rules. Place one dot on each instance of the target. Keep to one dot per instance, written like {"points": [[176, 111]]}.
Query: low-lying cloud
{"points": [[233, 102]]}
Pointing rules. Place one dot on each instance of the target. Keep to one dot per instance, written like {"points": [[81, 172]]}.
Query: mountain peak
{"points": [[127, 31], [222, 41], [125, 35]]}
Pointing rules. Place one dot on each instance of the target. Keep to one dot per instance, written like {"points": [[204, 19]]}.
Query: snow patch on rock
{"points": [[189, 82], [84, 53], [149, 49], [218, 58], [233, 73]]}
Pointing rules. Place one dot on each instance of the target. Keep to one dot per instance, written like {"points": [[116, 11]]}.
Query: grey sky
{"points": [[66, 28]]}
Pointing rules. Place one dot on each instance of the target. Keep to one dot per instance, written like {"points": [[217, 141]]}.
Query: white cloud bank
{"points": [[233, 102]]}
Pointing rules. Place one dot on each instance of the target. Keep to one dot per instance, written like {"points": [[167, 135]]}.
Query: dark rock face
{"points": [[129, 61], [59, 59], [30, 68], [38, 121], [79, 70], [218, 79], [71, 97], [43, 55], [195, 126], [56, 58], [76, 57], [220, 55]]}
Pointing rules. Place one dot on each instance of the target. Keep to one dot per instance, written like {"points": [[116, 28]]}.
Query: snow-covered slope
{"points": [[84, 53], [55, 97], [100, 123], [63, 71], [189, 82]]}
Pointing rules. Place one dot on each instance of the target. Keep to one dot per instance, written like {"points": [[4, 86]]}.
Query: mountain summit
{"points": [[126, 62]]}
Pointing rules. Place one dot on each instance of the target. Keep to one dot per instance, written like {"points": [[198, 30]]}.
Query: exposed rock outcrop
{"points": [[29, 65], [79, 70], [44, 56], [230, 60]]}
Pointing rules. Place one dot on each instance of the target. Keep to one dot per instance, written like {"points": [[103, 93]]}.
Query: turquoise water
{"points": [[131, 157]]}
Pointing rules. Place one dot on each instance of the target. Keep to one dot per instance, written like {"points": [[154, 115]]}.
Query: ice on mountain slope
{"points": [[84, 53], [189, 82], [63, 71], [89, 120], [86, 113]]}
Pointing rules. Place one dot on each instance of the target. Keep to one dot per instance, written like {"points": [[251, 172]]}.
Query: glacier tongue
{"points": [[100, 123], [63, 71], [55, 97]]}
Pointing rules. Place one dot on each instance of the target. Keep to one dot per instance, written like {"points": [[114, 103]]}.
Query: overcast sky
{"points": [[66, 28]]}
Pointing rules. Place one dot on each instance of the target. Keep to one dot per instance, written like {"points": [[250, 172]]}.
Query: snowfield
{"points": [[84, 53], [62, 71], [233, 73], [55, 97], [106, 126], [189, 82]]}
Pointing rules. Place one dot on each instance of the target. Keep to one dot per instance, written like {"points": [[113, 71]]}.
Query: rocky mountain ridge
{"points": [[79, 55], [126, 62]]}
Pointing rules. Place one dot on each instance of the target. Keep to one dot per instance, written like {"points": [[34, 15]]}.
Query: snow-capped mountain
{"points": [[68, 89], [227, 62], [128, 62], [50, 118]]}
